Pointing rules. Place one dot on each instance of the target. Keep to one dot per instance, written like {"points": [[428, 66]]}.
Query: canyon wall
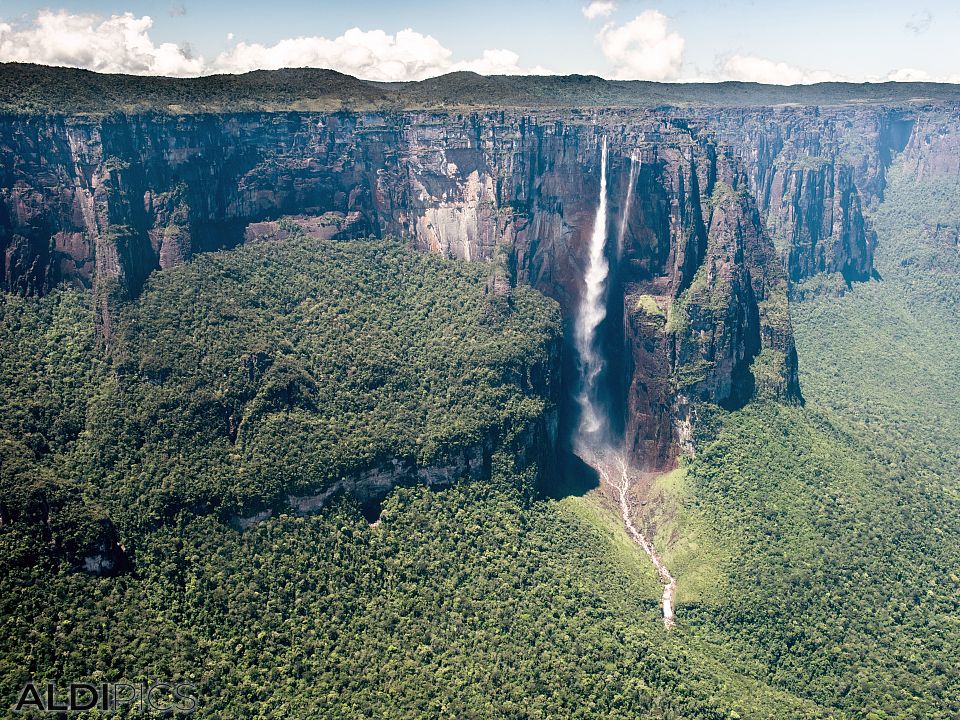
{"points": [[932, 152], [726, 210], [814, 173]]}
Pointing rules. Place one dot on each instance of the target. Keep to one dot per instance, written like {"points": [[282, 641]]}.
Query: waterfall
{"points": [[593, 441], [635, 163], [591, 313]]}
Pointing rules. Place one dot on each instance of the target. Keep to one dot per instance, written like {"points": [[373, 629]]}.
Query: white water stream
{"points": [[615, 473], [635, 163]]}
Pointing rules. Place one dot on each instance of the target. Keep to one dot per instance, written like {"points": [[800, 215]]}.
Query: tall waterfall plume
{"points": [[591, 313], [636, 161]]}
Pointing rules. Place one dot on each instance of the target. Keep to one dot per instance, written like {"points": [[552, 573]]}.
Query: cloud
{"points": [[917, 75], [372, 55], [919, 22], [121, 43], [909, 75], [750, 68], [599, 8], [643, 48], [498, 62], [177, 10]]}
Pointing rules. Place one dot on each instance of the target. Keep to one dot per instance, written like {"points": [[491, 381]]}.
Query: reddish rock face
{"points": [[649, 421], [697, 294]]}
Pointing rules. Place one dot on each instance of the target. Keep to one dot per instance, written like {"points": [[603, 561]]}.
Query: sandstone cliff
{"points": [[814, 172], [697, 299]]}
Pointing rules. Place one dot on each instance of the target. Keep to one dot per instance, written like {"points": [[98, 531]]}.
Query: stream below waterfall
{"points": [[615, 473]]}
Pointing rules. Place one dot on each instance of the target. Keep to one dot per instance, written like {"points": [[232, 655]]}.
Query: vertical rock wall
{"points": [[697, 306]]}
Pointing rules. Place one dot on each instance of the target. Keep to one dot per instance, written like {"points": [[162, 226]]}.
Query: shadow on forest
{"points": [[371, 509], [573, 477]]}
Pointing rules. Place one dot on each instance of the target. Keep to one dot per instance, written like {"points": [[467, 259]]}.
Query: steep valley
{"points": [[298, 399]]}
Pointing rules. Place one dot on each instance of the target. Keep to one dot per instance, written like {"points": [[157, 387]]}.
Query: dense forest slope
{"points": [[258, 379], [275, 376], [839, 521]]}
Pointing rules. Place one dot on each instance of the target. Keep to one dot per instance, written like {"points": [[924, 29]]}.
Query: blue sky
{"points": [[666, 40]]}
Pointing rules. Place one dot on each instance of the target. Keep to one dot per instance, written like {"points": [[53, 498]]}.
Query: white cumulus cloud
{"points": [[498, 62], [370, 54], [643, 48], [121, 43], [599, 8], [917, 75], [909, 75], [750, 68]]}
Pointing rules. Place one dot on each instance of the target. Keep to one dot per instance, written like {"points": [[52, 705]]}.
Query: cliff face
{"points": [[704, 303], [932, 152], [813, 172], [697, 305]]}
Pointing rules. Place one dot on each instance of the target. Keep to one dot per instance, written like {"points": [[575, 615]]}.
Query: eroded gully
{"points": [[614, 472]]}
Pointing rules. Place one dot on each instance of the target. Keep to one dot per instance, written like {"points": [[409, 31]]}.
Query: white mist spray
{"points": [[635, 163], [591, 313]]}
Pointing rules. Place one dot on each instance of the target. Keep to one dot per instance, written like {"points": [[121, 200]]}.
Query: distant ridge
{"points": [[45, 90]]}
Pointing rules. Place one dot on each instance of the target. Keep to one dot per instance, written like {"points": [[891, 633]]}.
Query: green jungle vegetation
{"points": [[285, 365], [816, 547], [838, 523], [27, 89], [274, 369]]}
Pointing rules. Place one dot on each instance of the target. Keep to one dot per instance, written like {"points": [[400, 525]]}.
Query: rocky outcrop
{"points": [[469, 464], [45, 517], [705, 314], [942, 235], [932, 153], [651, 418]]}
